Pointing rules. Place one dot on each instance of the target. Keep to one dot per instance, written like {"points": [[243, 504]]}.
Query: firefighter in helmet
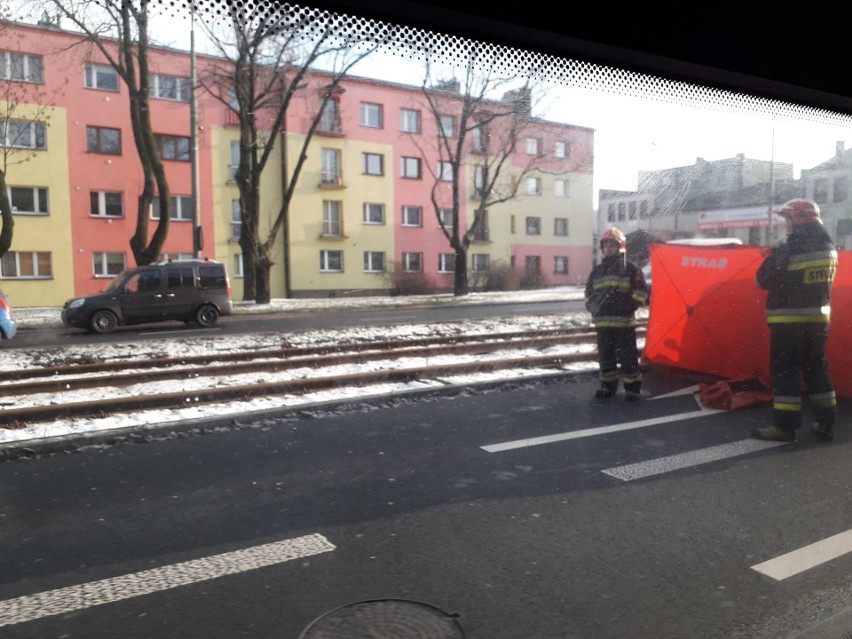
{"points": [[797, 275], [614, 290]]}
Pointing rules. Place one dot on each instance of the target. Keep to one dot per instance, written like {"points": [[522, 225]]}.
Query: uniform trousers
{"points": [[617, 346]]}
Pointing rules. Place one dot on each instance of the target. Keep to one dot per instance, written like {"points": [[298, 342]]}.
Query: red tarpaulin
{"points": [[707, 314]]}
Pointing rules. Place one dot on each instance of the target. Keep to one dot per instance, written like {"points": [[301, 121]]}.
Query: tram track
{"points": [[46, 393]]}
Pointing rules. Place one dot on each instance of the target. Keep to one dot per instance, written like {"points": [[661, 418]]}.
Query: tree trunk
{"points": [[264, 267], [8, 221], [460, 273]]}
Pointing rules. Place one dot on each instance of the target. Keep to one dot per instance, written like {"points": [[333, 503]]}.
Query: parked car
{"points": [[196, 290], [8, 326]]}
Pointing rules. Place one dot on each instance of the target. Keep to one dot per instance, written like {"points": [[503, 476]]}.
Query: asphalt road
{"points": [[654, 519]]}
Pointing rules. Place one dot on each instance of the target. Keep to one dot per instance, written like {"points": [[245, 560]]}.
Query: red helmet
{"points": [[800, 211], [614, 235]]}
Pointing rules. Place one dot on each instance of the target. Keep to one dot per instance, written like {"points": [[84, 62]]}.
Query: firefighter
{"points": [[797, 275], [614, 290]]}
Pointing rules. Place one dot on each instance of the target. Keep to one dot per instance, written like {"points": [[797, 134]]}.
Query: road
{"points": [[533, 511], [317, 319]]}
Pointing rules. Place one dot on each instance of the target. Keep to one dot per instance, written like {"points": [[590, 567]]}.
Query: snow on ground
{"points": [[16, 359]]}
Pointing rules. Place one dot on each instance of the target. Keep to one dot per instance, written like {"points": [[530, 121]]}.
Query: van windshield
{"points": [[116, 282]]}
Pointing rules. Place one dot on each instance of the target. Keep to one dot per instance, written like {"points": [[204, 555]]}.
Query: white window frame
{"points": [[533, 186], [180, 208], [374, 213], [560, 188], [445, 171], [561, 226], [23, 134], [560, 265], [332, 218], [372, 164], [532, 146], [446, 262], [445, 215], [181, 89], [409, 120], [412, 216], [238, 265], [102, 204], [235, 160], [560, 149], [15, 258], [372, 115], [411, 168], [108, 264], [95, 72], [236, 220], [480, 175], [447, 125], [331, 261], [480, 262], [374, 261], [40, 197], [412, 262], [331, 163], [30, 65]]}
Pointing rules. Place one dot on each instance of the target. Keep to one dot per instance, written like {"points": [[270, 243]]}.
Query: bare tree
{"points": [[25, 110], [119, 30], [467, 117], [270, 55]]}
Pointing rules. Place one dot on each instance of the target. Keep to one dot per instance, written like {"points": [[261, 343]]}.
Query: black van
{"points": [[196, 290]]}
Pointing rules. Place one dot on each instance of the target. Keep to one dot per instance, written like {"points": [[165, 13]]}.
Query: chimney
{"points": [[838, 148]]}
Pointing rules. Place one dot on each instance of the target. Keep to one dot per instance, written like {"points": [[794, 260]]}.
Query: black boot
{"points": [[607, 389]]}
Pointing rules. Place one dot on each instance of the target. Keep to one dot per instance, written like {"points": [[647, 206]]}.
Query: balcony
{"points": [[331, 182]]}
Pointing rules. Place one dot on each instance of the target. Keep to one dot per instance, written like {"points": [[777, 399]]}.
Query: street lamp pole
{"points": [[197, 238]]}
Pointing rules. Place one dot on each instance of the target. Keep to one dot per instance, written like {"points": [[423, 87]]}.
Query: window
{"points": [[173, 147], [179, 277], [643, 210], [238, 265], [622, 211], [448, 126], [445, 217], [235, 160], [479, 262], [26, 265], [560, 149], [28, 200], [532, 146], [236, 220], [560, 265], [560, 188], [331, 261], [480, 228], [411, 168], [177, 257], [610, 213], [372, 164], [480, 178], [412, 262], [371, 115], [374, 213], [332, 220], [532, 264], [108, 264], [821, 190], [447, 263], [23, 134], [445, 171], [479, 138], [374, 262], [330, 118], [560, 226], [101, 76], [533, 186], [841, 189], [533, 225], [106, 204], [409, 121], [331, 167], [21, 67], [412, 216], [103, 140], [631, 210], [169, 87], [181, 208]]}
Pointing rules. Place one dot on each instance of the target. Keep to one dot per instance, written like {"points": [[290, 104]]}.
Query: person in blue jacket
{"points": [[614, 291], [797, 276]]}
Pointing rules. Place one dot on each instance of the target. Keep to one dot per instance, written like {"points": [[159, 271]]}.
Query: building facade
{"points": [[364, 208]]}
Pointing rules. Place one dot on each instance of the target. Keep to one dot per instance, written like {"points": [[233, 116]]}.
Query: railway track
{"points": [[40, 394]]}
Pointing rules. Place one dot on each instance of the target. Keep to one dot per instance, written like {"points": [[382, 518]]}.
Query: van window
{"points": [[212, 276], [144, 282], [181, 277]]}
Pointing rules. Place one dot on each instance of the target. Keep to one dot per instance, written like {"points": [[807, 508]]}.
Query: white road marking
{"points": [[593, 432], [95, 593], [671, 463], [807, 557], [689, 390]]}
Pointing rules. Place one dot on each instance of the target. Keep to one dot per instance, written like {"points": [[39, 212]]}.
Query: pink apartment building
{"points": [[362, 208]]}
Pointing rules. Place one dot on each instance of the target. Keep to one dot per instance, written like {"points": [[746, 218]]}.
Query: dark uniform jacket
{"points": [[614, 290], [797, 276]]}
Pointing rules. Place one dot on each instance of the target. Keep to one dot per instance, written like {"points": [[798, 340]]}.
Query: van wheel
{"points": [[207, 316], [103, 322]]}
